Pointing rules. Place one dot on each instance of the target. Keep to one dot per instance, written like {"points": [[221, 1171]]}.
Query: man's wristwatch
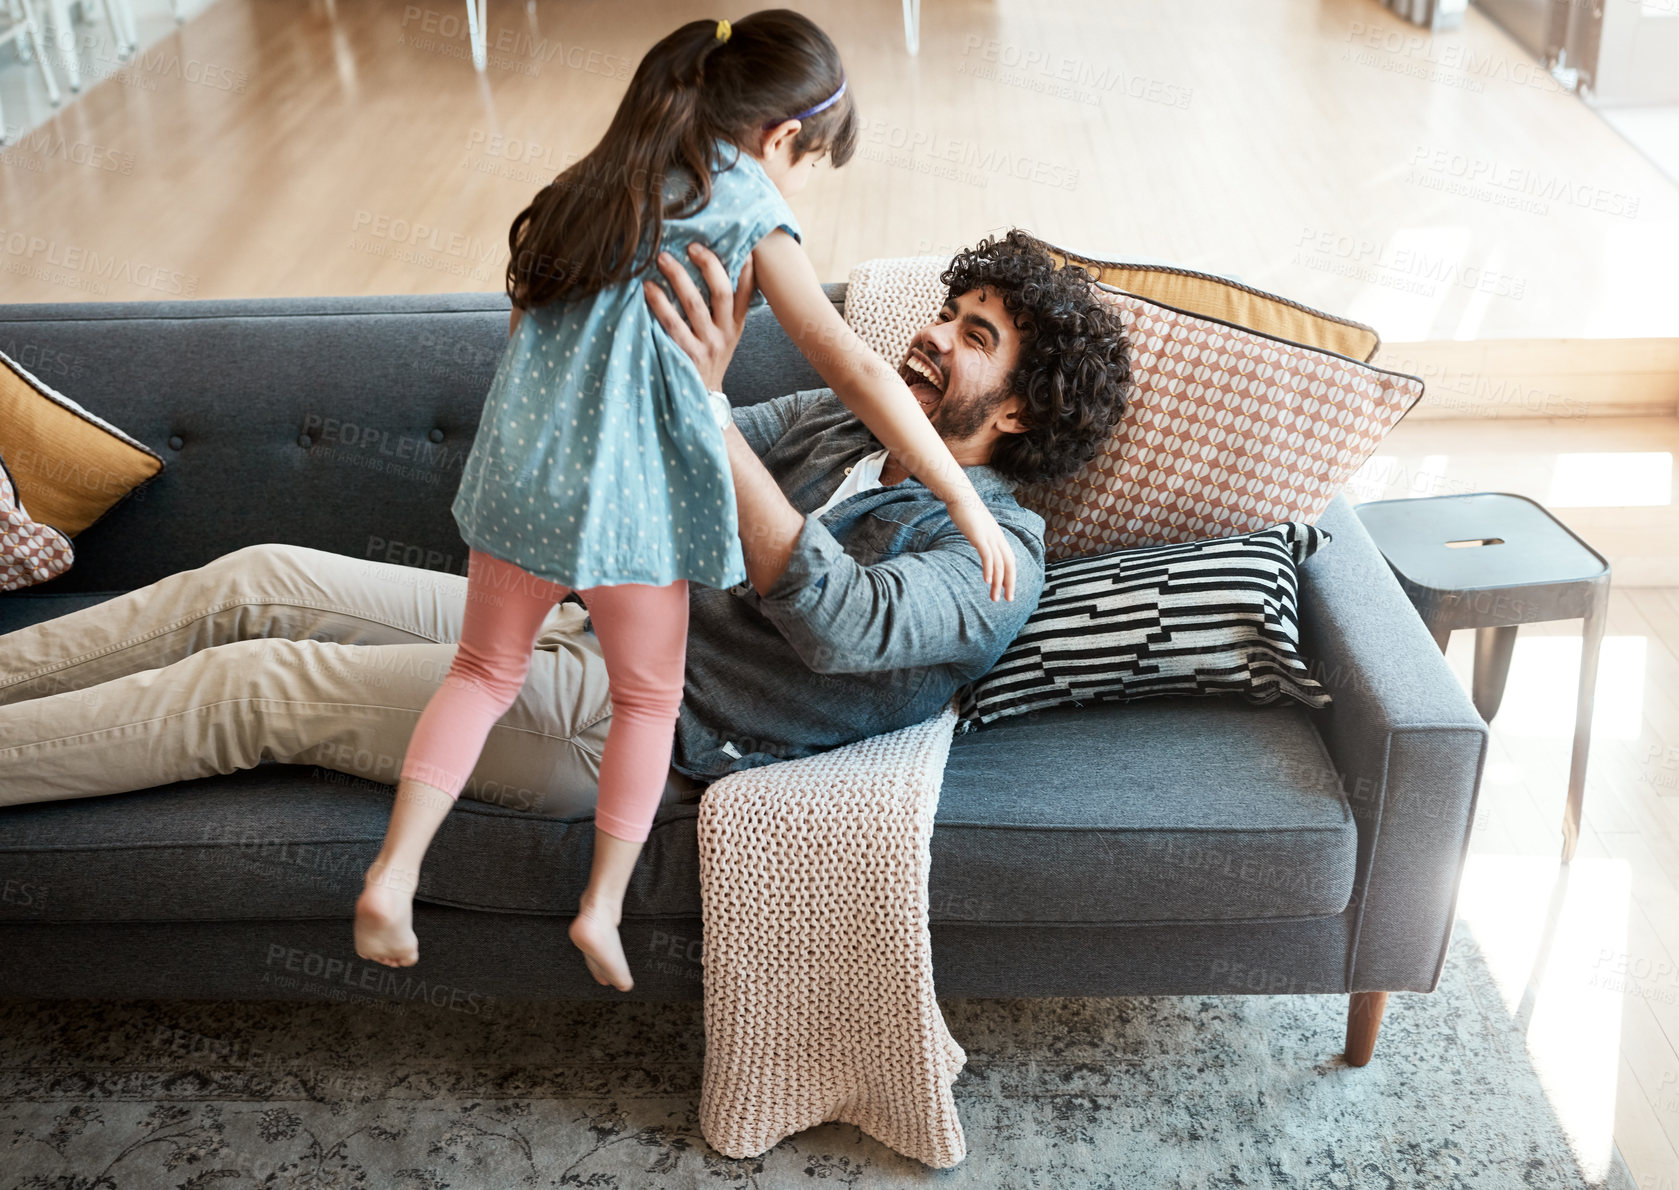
{"points": [[720, 408]]}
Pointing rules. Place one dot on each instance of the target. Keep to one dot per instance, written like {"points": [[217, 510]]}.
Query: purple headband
{"points": [[811, 111]]}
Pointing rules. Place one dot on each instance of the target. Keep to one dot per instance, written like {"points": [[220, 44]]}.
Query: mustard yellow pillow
{"points": [[70, 466], [1231, 301]]}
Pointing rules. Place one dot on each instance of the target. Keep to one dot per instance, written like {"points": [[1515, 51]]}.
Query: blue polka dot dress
{"points": [[597, 460]]}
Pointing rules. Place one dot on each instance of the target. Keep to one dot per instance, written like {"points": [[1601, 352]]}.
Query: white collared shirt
{"points": [[861, 476]]}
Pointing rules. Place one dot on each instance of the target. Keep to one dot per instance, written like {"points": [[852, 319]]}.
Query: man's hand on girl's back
{"points": [[707, 334]]}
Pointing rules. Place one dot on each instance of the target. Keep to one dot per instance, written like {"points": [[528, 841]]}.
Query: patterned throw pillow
{"points": [[1228, 429], [30, 553], [1203, 617]]}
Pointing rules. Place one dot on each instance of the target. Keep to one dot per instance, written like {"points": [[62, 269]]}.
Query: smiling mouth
{"points": [[926, 381]]}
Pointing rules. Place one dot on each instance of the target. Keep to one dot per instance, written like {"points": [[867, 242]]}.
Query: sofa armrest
{"points": [[1409, 749]]}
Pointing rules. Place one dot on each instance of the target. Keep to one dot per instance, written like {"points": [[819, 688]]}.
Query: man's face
{"points": [[958, 366]]}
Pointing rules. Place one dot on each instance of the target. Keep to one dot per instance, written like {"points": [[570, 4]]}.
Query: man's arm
{"points": [[921, 608], [709, 336], [769, 524]]}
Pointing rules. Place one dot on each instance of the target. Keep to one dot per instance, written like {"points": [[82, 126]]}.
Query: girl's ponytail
{"points": [[600, 221]]}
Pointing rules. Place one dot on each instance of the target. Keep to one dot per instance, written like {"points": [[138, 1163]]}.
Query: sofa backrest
{"points": [[339, 423]]}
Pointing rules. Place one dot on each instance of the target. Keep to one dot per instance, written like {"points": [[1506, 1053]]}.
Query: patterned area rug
{"points": [[1192, 1092]]}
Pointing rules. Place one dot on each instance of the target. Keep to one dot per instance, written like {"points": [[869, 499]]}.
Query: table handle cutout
{"points": [[1469, 541]]}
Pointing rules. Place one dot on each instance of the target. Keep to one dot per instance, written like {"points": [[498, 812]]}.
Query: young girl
{"points": [[600, 464]]}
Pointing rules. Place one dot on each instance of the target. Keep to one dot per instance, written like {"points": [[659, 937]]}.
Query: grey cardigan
{"points": [[880, 616]]}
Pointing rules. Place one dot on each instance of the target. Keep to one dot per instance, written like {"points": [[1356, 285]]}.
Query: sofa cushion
{"points": [[20, 609], [292, 841], [1175, 810]]}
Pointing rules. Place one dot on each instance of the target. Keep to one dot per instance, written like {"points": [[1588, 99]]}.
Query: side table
{"points": [[1492, 561]]}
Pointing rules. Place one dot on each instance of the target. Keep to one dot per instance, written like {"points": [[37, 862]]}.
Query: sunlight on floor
{"points": [[1531, 461], [1409, 279], [1385, 476], [1553, 938], [1544, 670], [1617, 479]]}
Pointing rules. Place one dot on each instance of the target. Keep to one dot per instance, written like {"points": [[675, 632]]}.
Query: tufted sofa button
{"points": [[305, 441], [175, 442], [436, 435]]}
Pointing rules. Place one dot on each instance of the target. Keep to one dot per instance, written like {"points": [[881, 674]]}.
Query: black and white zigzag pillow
{"points": [[1199, 617]]}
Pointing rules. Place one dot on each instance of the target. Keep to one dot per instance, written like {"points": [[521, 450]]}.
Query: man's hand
{"points": [[708, 336]]}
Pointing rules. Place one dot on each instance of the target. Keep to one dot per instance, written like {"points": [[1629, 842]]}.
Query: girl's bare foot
{"points": [[597, 938], [385, 919]]}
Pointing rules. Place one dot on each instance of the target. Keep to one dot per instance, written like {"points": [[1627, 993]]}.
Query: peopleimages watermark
{"points": [[531, 162], [78, 267], [241, 1055], [1409, 270], [32, 150], [402, 553], [23, 894], [423, 459], [411, 242], [45, 363], [375, 983], [506, 48], [517, 159], [147, 65], [1520, 188], [1637, 976], [1383, 475], [1061, 76], [1479, 394], [1448, 62], [957, 160], [1661, 767]]}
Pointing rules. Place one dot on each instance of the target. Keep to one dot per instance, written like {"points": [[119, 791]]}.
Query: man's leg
{"points": [[350, 708], [263, 592], [259, 591]]}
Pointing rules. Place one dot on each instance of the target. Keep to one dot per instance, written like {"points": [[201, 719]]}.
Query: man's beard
{"points": [[957, 422]]}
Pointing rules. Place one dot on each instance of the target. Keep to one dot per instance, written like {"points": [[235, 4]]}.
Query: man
{"points": [[863, 612]]}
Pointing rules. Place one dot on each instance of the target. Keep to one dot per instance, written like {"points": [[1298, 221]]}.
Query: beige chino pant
{"points": [[285, 653]]}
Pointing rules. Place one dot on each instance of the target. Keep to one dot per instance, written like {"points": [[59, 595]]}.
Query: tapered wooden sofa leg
{"points": [[1364, 1018]]}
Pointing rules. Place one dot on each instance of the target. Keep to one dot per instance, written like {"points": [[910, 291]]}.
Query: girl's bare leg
{"points": [[594, 930], [385, 909]]}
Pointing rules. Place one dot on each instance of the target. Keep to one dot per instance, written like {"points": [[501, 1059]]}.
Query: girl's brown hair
{"points": [[599, 222]]}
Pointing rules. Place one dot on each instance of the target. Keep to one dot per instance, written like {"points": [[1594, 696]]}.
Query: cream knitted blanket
{"points": [[818, 967]]}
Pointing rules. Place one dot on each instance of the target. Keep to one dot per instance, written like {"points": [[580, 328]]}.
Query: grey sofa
{"points": [[1177, 846]]}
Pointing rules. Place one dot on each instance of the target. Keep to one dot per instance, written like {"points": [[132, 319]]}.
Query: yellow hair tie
{"points": [[723, 30]]}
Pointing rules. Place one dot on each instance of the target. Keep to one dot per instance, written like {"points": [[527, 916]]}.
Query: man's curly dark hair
{"points": [[1075, 360]]}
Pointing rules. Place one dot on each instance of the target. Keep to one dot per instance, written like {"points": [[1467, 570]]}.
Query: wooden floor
{"points": [[1437, 188]]}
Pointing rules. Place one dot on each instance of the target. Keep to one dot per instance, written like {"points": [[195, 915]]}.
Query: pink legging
{"points": [[643, 634]]}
